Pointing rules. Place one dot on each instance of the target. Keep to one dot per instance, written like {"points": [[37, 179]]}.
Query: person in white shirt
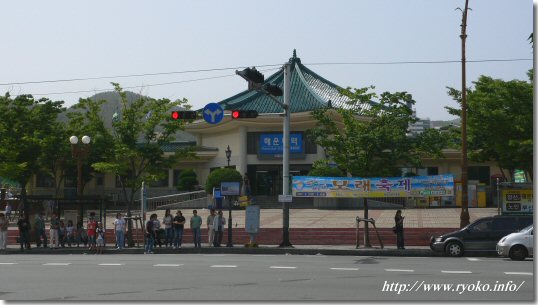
{"points": [[119, 231]]}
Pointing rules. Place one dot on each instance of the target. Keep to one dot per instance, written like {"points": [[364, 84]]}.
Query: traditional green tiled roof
{"points": [[309, 91]]}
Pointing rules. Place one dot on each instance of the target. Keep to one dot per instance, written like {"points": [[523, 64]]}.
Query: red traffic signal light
{"points": [[184, 115], [244, 114]]}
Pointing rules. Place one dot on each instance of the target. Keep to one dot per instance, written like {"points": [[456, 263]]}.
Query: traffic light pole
{"points": [[286, 158]]}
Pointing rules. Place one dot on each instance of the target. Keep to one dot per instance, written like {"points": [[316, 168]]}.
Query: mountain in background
{"points": [[113, 104]]}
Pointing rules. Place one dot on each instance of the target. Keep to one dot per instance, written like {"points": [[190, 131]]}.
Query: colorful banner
{"points": [[517, 201], [343, 187]]}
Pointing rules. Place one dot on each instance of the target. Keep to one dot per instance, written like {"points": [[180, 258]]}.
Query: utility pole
{"points": [[286, 158], [464, 217]]}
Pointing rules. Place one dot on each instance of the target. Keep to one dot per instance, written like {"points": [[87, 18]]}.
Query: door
{"points": [[477, 235]]}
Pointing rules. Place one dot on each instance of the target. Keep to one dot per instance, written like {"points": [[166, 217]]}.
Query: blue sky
{"points": [[51, 40]]}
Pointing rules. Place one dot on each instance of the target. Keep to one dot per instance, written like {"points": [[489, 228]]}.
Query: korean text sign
{"points": [[272, 143]]}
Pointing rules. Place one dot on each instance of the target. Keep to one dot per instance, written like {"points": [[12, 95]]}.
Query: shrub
{"points": [[187, 180], [219, 175]]}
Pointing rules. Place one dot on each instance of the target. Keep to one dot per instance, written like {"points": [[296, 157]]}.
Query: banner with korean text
{"points": [[344, 187]]}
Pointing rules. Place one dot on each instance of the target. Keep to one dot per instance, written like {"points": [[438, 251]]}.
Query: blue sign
{"points": [[213, 113], [272, 143]]}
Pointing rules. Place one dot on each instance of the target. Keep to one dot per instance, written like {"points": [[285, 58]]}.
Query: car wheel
{"points": [[518, 253], [454, 248]]}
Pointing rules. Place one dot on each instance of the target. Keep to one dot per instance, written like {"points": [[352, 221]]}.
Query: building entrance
{"points": [[266, 180]]}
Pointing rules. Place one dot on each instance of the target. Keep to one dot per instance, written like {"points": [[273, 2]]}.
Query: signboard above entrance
{"points": [[272, 143], [342, 187]]}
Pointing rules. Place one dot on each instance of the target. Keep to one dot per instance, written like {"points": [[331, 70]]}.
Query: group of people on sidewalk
{"points": [[174, 227]]}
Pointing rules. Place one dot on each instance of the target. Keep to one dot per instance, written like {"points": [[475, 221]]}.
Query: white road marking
{"points": [[223, 266], [8, 263], [473, 259], [167, 265], [518, 273], [399, 270], [56, 264], [282, 267], [111, 264], [345, 269], [456, 271]]}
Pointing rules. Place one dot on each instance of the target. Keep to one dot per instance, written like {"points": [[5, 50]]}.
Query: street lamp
{"points": [[80, 152], [228, 152]]}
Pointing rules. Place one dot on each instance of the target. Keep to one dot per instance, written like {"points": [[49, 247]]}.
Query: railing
{"points": [[161, 202]]}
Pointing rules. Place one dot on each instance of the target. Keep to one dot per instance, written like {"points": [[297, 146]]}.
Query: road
{"points": [[263, 277]]}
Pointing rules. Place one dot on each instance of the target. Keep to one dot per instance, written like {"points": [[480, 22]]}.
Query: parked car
{"points": [[481, 235], [517, 246]]}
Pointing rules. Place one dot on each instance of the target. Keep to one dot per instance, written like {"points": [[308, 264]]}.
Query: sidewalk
{"points": [[312, 231]]}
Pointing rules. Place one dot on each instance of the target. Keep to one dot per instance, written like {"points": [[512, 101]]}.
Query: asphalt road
{"points": [[263, 277]]}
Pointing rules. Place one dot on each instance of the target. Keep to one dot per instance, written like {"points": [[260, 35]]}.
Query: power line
{"points": [[272, 65], [126, 76], [148, 85]]}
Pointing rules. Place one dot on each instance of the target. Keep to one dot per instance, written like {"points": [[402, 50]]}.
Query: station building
{"points": [[256, 143]]}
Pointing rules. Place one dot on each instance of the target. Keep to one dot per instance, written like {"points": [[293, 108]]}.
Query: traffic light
{"points": [[184, 115], [244, 114], [251, 75]]}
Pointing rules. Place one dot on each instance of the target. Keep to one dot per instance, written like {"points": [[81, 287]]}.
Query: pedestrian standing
{"points": [[150, 234], [218, 226], [39, 225], [158, 231], [398, 219], [178, 223], [100, 238], [24, 230], [4, 224], [70, 230], [62, 234], [8, 210], [53, 232], [81, 236], [119, 231], [91, 226], [210, 231], [168, 230], [196, 224]]}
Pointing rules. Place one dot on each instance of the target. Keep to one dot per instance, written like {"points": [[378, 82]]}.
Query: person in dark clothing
{"points": [[178, 224], [398, 219], [24, 232]]}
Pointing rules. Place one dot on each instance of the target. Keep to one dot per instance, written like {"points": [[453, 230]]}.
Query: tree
{"points": [[368, 139], [321, 168], [135, 153], [187, 180], [500, 122], [26, 126]]}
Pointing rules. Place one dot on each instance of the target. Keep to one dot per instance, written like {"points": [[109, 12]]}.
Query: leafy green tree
{"points": [[321, 168], [26, 126], [134, 148], [368, 139], [219, 175], [187, 180], [500, 122], [55, 158]]}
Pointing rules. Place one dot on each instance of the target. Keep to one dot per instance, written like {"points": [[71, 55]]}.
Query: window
{"points": [[44, 180], [162, 182], [480, 173], [482, 225], [504, 224], [99, 179]]}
